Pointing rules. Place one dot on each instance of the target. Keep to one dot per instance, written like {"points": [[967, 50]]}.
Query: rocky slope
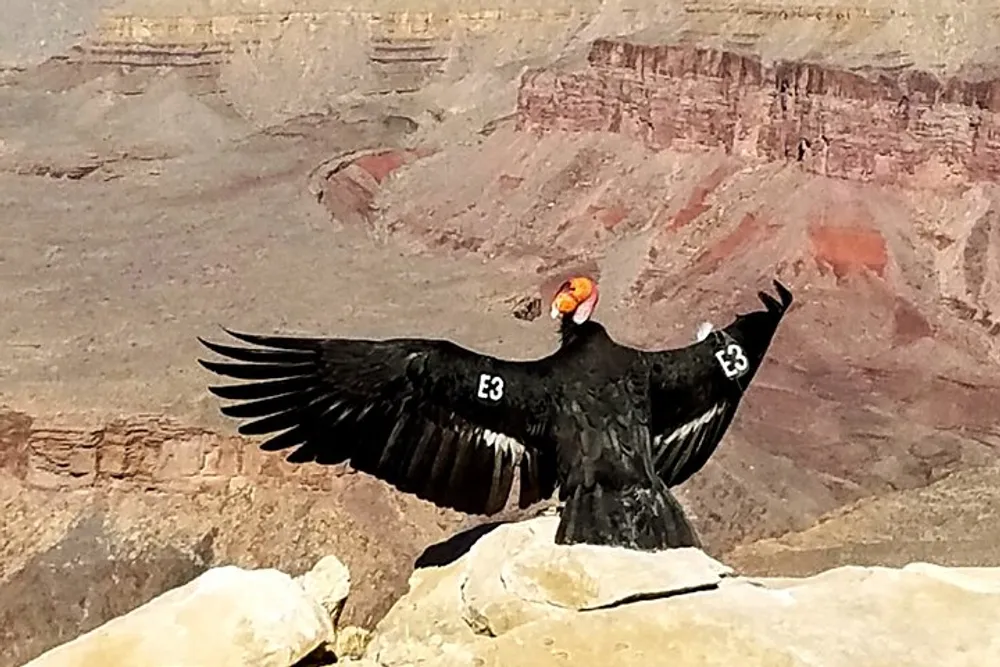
{"points": [[679, 171], [880, 125], [954, 521]]}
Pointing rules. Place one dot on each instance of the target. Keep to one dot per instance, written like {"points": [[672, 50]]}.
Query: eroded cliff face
{"points": [[884, 126], [272, 60], [379, 46], [154, 452], [934, 137]]}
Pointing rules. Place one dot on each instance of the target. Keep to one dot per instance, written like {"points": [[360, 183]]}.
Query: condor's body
{"points": [[611, 426]]}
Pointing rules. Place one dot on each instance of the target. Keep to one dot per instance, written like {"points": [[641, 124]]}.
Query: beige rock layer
{"points": [[928, 34], [848, 617], [536, 603]]}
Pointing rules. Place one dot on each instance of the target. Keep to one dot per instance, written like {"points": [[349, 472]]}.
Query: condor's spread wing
{"points": [[695, 390], [427, 416]]}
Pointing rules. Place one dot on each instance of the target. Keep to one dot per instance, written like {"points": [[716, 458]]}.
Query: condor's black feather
{"points": [[271, 388], [257, 371], [258, 355]]}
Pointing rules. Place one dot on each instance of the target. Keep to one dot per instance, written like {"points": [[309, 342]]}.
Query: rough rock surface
{"points": [[921, 614], [554, 604], [850, 616], [226, 616], [519, 561], [328, 583], [351, 642], [135, 506]]}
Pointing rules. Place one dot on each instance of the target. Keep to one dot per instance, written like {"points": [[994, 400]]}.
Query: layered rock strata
{"points": [[881, 125]]}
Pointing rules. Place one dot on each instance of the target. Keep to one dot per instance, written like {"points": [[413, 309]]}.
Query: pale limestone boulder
{"points": [[425, 626], [516, 598], [848, 617], [982, 579], [228, 616], [584, 577], [328, 583], [487, 605], [517, 575]]}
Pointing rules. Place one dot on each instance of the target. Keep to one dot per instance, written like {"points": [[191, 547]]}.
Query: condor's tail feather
{"points": [[640, 518]]}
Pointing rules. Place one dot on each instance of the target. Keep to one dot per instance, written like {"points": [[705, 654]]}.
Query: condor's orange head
{"points": [[576, 297]]}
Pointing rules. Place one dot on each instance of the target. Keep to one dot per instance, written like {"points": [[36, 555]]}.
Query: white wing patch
{"points": [[502, 442], [675, 449], [704, 329], [507, 452]]}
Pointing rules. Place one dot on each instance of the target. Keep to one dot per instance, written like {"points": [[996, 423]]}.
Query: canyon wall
{"points": [[281, 58], [880, 126], [942, 36], [404, 43], [152, 452], [99, 518]]}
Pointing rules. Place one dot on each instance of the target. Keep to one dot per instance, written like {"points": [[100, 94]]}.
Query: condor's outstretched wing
{"points": [[695, 390], [427, 416]]}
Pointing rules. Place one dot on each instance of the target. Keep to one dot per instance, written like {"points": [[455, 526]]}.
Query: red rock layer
{"points": [[349, 186], [881, 126]]}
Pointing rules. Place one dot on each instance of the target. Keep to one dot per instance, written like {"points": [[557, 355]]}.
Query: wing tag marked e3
{"points": [[733, 361], [490, 387]]}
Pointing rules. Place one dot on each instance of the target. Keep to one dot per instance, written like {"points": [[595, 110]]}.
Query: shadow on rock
{"points": [[456, 546]]}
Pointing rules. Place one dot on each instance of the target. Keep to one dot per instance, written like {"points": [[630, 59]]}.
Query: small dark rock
{"points": [[527, 308]]}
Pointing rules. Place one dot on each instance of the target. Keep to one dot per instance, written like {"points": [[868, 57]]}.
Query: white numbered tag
{"points": [[732, 360], [490, 387]]}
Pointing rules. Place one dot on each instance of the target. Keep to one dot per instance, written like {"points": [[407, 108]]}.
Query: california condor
{"points": [[611, 426]]}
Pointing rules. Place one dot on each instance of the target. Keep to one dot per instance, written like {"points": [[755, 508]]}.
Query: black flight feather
{"points": [[390, 408]]}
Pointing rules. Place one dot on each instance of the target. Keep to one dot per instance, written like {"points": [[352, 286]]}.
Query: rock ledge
{"points": [[516, 598]]}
